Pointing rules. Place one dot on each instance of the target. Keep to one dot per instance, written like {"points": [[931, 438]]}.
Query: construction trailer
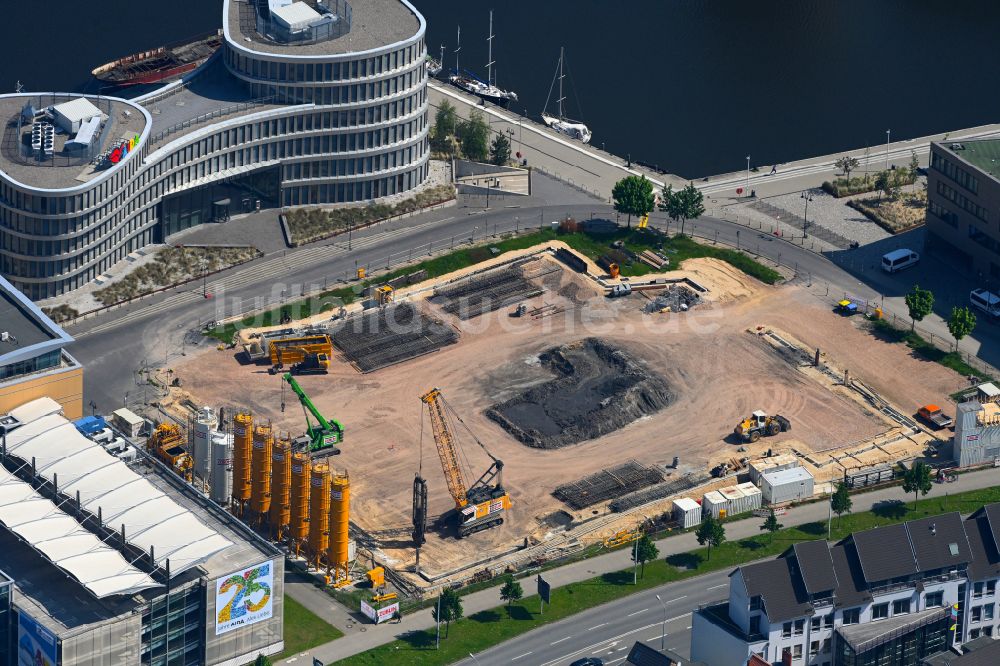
{"points": [[481, 505], [288, 351], [770, 464], [786, 485], [686, 512]]}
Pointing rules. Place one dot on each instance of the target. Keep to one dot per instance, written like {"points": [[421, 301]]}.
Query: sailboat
{"points": [[486, 90], [560, 123], [435, 66]]}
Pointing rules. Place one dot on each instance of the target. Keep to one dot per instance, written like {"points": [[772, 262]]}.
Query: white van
{"points": [[986, 301], [897, 260]]}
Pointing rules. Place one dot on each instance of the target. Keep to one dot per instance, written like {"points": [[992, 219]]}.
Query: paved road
{"points": [[361, 636]]}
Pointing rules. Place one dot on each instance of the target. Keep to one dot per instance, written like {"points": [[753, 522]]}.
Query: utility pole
{"points": [[887, 132], [663, 626], [748, 176], [635, 560], [437, 645]]}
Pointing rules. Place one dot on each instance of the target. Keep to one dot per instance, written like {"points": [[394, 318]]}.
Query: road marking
{"points": [[637, 612], [519, 656], [677, 599], [598, 626], [607, 641], [679, 617], [560, 640], [715, 587]]}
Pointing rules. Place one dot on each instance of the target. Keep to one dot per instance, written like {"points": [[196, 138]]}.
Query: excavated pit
{"points": [[598, 389]]}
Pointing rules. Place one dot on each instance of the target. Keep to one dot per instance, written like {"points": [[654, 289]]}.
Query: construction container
{"points": [[260, 478], [298, 517], [736, 501], [319, 512], [771, 464], [201, 442], [221, 477], [288, 351], [127, 421], [787, 485], [281, 482], [242, 445], [751, 496], [687, 512], [714, 504], [340, 504]]}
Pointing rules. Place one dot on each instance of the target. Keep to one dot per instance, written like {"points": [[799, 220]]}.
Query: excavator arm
{"points": [[445, 442], [308, 406]]}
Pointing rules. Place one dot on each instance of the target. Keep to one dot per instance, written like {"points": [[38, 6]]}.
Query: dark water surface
{"points": [[690, 85]]}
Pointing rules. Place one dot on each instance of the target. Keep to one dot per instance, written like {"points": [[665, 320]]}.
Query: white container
{"points": [[714, 504], [771, 464], [753, 498], [787, 485], [687, 512], [221, 481], [201, 443]]}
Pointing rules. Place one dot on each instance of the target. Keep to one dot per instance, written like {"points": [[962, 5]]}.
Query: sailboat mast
{"points": [[561, 97], [489, 42], [458, 47]]}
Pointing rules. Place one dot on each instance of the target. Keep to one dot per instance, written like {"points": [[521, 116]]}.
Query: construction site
{"points": [[529, 406]]}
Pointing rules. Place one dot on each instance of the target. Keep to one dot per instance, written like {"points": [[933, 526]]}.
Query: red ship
{"points": [[162, 64]]}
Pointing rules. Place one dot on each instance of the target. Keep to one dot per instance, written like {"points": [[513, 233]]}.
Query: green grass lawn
{"points": [[491, 627], [304, 629], [677, 248]]}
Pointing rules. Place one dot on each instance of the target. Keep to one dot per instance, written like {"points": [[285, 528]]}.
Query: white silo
{"points": [[221, 479], [202, 444]]}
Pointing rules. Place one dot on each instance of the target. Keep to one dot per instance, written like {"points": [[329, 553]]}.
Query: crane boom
{"points": [[328, 432], [445, 442]]}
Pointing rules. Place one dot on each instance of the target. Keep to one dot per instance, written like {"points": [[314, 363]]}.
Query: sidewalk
{"points": [[362, 637]]}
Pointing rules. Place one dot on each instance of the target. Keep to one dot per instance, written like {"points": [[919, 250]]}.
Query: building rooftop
{"points": [[31, 332], [816, 565], [885, 553], [374, 24], [851, 589], [63, 170], [984, 154], [939, 542], [790, 475], [983, 651], [864, 637], [779, 585]]}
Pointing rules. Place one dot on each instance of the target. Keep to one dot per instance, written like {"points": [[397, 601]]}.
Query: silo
{"points": [[221, 477], [242, 438], [201, 447], [281, 480], [298, 519], [260, 458], [340, 504], [319, 511]]}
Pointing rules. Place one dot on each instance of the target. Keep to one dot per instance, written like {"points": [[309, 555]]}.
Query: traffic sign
{"points": [[544, 590]]}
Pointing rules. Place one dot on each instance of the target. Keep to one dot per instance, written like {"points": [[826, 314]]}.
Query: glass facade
{"points": [[8, 629], [904, 649], [216, 202], [173, 638], [43, 362]]}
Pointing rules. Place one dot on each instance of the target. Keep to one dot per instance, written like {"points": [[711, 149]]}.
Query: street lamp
{"points": [[663, 626], [887, 132], [473, 657], [748, 176], [805, 222]]}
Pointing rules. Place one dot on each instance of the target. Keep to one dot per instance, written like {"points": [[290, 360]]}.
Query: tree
{"points": [[840, 501], [474, 135], [961, 322], [883, 183], [511, 590], [920, 303], [847, 164], [914, 164], [917, 479], [500, 150], [451, 609], [711, 533], [683, 205], [261, 660], [633, 195], [445, 121], [645, 551], [771, 525]]}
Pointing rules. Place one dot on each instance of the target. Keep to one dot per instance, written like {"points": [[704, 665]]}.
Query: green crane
{"points": [[327, 433]]}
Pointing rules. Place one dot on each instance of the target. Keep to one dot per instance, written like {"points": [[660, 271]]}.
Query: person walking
{"points": [[774, 169]]}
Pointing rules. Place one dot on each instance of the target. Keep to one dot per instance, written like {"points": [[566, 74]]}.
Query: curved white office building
{"points": [[312, 102]]}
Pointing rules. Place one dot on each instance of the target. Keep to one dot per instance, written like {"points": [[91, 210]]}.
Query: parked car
{"points": [[588, 661], [897, 260]]}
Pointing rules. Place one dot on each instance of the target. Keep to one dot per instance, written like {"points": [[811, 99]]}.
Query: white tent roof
{"points": [[64, 542], [124, 497]]}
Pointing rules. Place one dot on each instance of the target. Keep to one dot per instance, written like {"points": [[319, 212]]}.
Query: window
{"points": [[816, 622], [796, 652], [973, 634], [977, 614], [800, 626], [755, 624], [880, 611], [991, 587], [826, 645], [756, 603], [934, 599], [786, 630], [900, 606], [988, 612], [977, 591], [852, 615], [814, 648], [828, 621], [988, 631]]}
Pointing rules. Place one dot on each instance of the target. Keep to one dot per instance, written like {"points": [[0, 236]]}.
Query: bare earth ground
{"points": [[716, 369]]}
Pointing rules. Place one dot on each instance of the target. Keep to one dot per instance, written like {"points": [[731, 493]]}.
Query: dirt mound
{"points": [[598, 389]]}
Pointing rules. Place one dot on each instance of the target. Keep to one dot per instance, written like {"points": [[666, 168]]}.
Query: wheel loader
{"points": [[759, 423]]}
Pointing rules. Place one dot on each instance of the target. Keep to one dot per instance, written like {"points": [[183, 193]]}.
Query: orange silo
{"points": [[298, 518], [242, 439], [281, 480], [340, 504], [260, 489], [319, 510]]}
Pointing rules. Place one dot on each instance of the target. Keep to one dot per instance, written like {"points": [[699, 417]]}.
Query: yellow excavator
{"points": [[483, 504], [759, 423]]}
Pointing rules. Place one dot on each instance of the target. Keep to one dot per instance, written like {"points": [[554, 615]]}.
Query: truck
{"points": [[933, 415], [623, 289]]}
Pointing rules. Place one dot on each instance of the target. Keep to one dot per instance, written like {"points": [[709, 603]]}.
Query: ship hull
{"points": [[159, 65]]}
